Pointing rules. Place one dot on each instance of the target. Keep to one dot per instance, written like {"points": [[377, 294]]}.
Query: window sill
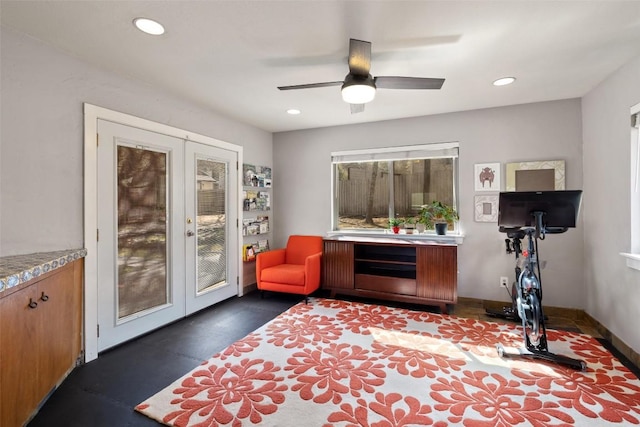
{"points": [[450, 238], [633, 260]]}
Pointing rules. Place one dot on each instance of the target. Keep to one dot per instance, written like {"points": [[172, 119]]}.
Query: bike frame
{"points": [[529, 297]]}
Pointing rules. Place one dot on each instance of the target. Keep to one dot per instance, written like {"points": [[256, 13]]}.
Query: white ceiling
{"points": [[229, 56]]}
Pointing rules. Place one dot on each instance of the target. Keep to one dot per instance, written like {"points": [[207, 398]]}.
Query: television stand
{"points": [[412, 271]]}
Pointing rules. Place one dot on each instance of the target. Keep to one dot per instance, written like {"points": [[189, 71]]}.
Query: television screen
{"points": [[515, 209]]}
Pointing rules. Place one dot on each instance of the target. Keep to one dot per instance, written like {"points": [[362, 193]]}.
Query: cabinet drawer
{"points": [[393, 285]]}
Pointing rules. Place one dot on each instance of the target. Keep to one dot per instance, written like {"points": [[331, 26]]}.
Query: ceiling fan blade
{"points": [[310, 85], [392, 82], [357, 108], [359, 57]]}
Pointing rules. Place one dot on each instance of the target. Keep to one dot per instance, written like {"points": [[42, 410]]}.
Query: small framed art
{"points": [[487, 177], [486, 208]]}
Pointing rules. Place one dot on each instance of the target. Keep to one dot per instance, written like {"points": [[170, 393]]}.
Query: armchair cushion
{"points": [[288, 274]]}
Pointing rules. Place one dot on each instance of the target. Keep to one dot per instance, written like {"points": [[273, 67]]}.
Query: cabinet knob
{"points": [[32, 303], [44, 297]]}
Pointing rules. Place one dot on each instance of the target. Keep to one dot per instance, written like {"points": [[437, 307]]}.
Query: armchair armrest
{"points": [[268, 259], [312, 267]]}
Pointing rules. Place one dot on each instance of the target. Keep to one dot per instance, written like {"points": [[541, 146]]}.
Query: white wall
{"points": [[532, 132], [42, 138], [613, 289]]}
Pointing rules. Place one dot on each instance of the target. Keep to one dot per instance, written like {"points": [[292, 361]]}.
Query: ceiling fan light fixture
{"points": [[358, 90]]}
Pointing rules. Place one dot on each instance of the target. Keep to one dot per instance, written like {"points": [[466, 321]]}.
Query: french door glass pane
{"points": [[211, 222], [142, 230]]}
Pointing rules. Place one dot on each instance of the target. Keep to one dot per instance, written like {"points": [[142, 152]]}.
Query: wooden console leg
{"points": [[444, 309]]}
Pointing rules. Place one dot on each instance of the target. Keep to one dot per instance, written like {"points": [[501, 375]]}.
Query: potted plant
{"points": [[421, 224], [394, 223], [409, 225], [438, 215]]}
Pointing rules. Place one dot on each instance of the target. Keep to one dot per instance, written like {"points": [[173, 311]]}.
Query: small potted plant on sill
{"points": [[421, 224], [394, 223], [438, 215], [409, 225]]}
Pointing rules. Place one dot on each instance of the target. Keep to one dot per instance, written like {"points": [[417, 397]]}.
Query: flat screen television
{"points": [[515, 209]]}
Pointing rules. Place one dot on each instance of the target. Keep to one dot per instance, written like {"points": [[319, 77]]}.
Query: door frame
{"points": [[91, 115]]}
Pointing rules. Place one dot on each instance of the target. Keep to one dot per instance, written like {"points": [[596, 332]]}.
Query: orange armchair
{"points": [[294, 269]]}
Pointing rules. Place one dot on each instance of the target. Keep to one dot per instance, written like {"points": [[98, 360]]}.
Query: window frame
{"points": [[633, 256], [396, 153]]}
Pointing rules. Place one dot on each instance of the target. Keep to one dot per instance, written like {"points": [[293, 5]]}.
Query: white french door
{"points": [[212, 242], [167, 212]]}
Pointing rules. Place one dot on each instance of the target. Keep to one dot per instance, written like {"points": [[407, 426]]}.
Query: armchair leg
{"points": [[306, 299]]}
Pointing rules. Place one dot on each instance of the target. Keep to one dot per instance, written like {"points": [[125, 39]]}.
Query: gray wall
{"points": [[41, 167], [612, 289], [532, 132]]}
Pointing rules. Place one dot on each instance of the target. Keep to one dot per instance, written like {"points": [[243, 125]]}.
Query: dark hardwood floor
{"points": [[105, 391]]}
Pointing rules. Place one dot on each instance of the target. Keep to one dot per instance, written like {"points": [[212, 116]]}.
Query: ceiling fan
{"points": [[359, 87]]}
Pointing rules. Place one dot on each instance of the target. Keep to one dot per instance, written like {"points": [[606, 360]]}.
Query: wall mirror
{"points": [[535, 176]]}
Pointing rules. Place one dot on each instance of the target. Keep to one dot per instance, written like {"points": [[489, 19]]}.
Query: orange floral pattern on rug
{"points": [[346, 364]]}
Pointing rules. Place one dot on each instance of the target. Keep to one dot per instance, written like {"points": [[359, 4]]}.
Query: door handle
{"points": [[190, 233]]}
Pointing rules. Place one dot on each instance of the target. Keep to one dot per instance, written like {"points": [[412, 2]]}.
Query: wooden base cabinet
{"points": [[40, 340], [422, 273]]}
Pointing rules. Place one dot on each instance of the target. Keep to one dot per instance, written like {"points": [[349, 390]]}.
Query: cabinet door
{"points": [[338, 265], [437, 273], [39, 344], [56, 322], [18, 379]]}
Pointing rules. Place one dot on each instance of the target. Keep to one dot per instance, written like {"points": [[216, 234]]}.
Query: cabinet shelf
{"points": [[380, 268], [384, 261], [387, 253]]}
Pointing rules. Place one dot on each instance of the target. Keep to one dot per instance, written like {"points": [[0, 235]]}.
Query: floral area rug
{"points": [[339, 363]]}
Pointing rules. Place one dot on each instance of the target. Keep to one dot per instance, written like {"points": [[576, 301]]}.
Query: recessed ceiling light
{"points": [[293, 111], [504, 81], [149, 26]]}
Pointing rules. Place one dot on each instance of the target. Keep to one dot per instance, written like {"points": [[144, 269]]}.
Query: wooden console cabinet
{"points": [[392, 269], [40, 339]]}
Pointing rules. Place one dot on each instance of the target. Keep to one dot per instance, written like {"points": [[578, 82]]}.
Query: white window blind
{"points": [[426, 151]]}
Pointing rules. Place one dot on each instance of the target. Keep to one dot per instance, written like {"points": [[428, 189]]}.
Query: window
{"points": [[371, 186], [633, 258]]}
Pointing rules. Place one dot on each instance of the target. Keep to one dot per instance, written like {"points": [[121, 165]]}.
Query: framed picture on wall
{"points": [[487, 177], [486, 208], [535, 176]]}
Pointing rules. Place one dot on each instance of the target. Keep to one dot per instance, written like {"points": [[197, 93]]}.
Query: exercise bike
{"points": [[527, 289]]}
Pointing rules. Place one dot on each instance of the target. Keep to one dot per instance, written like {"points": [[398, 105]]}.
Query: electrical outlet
{"points": [[504, 281]]}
